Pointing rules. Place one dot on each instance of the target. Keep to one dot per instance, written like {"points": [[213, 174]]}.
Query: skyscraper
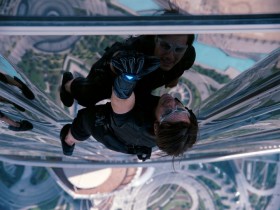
{"points": [[238, 108]]}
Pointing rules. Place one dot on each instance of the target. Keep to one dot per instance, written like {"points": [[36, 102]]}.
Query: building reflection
{"points": [[238, 114], [234, 116]]}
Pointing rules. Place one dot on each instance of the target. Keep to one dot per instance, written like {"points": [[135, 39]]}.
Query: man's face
{"points": [[170, 109], [170, 49]]}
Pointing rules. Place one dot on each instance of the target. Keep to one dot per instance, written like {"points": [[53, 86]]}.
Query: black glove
{"points": [[130, 67]]}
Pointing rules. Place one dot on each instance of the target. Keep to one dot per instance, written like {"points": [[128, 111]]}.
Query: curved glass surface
{"points": [[236, 100], [233, 87]]}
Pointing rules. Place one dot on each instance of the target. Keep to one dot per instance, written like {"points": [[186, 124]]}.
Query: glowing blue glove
{"points": [[130, 67]]}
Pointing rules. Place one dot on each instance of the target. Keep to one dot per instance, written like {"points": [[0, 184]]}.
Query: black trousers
{"points": [[95, 87]]}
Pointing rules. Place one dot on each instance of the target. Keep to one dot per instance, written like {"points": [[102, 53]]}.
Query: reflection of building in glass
{"points": [[90, 183], [230, 184], [183, 93], [228, 7], [239, 115]]}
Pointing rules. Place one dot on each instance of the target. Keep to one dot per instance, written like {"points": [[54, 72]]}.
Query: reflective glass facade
{"points": [[233, 88], [134, 8]]}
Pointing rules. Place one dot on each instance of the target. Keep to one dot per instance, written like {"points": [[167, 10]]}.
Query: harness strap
{"points": [[143, 153]]}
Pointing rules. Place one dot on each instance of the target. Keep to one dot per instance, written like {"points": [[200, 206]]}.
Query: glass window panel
{"points": [[243, 129], [80, 8]]}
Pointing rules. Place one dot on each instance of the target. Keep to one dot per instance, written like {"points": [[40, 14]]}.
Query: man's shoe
{"points": [[19, 107], [67, 150], [25, 90], [66, 97], [3, 78], [24, 125]]}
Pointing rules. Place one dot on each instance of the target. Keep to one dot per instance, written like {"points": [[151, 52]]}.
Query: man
{"points": [[22, 125], [124, 127], [176, 55], [14, 81]]}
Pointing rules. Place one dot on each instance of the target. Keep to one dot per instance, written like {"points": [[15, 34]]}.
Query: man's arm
{"points": [[122, 106], [130, 67]]}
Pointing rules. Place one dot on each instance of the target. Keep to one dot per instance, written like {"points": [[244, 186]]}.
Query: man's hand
{"points": [[130, 67], [134, 64]]}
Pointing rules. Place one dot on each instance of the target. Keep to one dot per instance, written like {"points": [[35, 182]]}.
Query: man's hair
{"points": [[174, 138], [189, 41]]}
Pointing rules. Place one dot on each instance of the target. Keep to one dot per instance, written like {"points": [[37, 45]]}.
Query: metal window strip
{"points": [[14, 25]]}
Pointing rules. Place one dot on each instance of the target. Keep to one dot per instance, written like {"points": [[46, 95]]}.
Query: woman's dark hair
{"points": [[174, 138]]}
